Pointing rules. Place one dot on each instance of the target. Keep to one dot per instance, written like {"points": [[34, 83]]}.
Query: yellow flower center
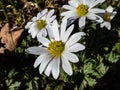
{"points": [[82, 10], [106, 17], [56, 48], [41, 24]]}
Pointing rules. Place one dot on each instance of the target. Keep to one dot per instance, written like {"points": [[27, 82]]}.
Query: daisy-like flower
{"points": [[83, 9], [107, 17], [40, 23], [57, 51]]}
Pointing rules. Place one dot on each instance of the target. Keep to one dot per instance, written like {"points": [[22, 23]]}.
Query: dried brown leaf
{"points": [[6, 41]]}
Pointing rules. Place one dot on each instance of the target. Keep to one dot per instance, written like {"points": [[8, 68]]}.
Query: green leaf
{"points": [[117, 47], [14, 86], [59, 87], [83, 85], [101, 69], [91, 82], [8, 82], [87, 69], [12, 73], [32, 84]]}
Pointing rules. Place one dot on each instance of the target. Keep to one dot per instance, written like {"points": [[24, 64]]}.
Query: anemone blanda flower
{"points": [[83, 9], [107, 17], [40, 23], [58, 50]]}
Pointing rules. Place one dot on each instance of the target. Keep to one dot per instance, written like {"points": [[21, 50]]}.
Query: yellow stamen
{"points": [[56, 48], [41, 24], [106, 17], [82, 10]]}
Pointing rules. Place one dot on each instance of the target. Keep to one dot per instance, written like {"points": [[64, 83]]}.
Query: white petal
{"points": [[102, 24], [81, 1], [63, 27], [44, 41], [44, 32], [65, 13], [99, 19], [34, 33], [76, 47], [109, 9], [85, 2], [82, 22], [69, 14], [36, 50], [33, 30], [91, 16], [71, 20], [73, 39], [44, 63], [66, 65], [71, 57], [52, 18], [56, 68], [112, 15], [55, 30], [39, 34], [101, 1], [74, 3], [27, 26], [34, 19], [40, 59], [95, 3], [39, 15], [88, 2], [50, 13], [42, 13], [49, 68], [33, 25], [66, 35], [108, 25], [97, 10], [68, 7], [50, 32]]}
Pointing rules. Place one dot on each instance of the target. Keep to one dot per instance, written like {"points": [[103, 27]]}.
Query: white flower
{"points": [[57, 51], [40, 23], [107, 17], [83, 9]]}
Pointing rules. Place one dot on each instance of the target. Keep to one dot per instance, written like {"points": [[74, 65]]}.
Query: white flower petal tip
{"points": [[39, 60], [28, 25], [109, 9], [76, 47], [72, 57], [40, 23], [66, 66], [36, 50], [70, 21], [82, 33], [101, 1], [27, 50], [56, 68]]}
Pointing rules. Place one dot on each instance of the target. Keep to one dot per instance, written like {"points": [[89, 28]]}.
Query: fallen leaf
{"points": [[6, 41]]}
